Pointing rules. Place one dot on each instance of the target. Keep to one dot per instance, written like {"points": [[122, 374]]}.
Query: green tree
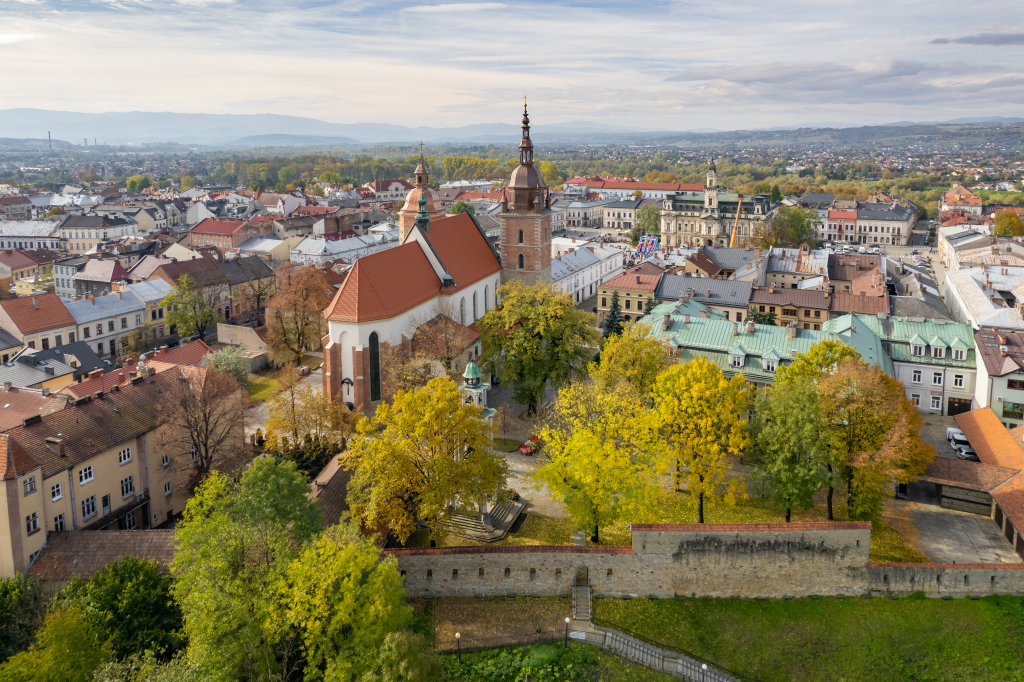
{"points": [[148, 667], [287, 175], [753, 315], [550, 173], [189, 309], [820, 359], [648, 219], [613, 318], [461, 206], [404, 657], [128, 605], [330, 177], [602, 457], [137, 183], [419, 454], [634, 358], [702, 417], [1008, 224], [790, 448], [66, 649], [231, 360], [535, 337], [187, 182], [235, 544], [21, 613], [776, 194]]}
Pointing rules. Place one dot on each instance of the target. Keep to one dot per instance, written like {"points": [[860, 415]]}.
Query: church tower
{"points": [[432, 201], [711, 189], [526, 220]]}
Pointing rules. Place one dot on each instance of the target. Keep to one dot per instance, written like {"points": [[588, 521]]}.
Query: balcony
{"points": [[129, 504]]}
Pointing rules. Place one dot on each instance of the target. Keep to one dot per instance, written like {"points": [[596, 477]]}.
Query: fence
{"points": [[449, 645]]}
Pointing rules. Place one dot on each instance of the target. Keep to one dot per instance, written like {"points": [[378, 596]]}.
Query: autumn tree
{"points": [[304, 425], [820, 359], [757, 317], [259, 286], [137, 183], [703, 419], [402, 371], [633, 357], [648, 219], [202, 409], [66, 649], [295, 316], [874, 433], [190, 309], [438, 338], [418, 455], [602, 456], [536, 337], [187, 182], [231, 360], [1008, 224], [790, 449]]}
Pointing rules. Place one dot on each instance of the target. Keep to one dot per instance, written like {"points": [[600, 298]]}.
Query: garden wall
{"points": [[940, 580]]}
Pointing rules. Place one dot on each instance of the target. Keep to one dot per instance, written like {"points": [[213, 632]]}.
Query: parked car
{"points": [[530, 447], [953, 431], [971, 457], [913, 251], [964, 451], [958, 441]]}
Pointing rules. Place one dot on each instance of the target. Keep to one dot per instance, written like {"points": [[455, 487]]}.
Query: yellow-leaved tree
{"points": [[703, 418], [419, 456], [602, 457], [634, 357]]}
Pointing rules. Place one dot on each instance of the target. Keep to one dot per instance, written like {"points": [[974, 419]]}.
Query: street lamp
{"points": [[458, 642], [565, 645], [703, 670]]}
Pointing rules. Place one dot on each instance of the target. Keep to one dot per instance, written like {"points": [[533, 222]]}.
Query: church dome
{"points": [[433, 200], [525, 177]]}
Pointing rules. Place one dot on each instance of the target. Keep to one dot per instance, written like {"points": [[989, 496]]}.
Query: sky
{"points": [[660, 64]]}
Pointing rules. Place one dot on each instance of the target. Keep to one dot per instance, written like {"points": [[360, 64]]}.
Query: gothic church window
{"points": [[520, 237], [374, 367], [522, 262]]}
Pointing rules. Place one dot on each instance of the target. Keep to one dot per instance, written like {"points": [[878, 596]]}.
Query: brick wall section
{"points": [[332, 369], [939, 580], [962, 499]]}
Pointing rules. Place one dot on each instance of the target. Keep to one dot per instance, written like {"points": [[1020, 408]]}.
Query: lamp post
{"points": [[458, 642], [565, 645], [703, 670]]}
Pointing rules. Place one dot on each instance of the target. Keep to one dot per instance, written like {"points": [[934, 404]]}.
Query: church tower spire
{"points": [[420, 200]]}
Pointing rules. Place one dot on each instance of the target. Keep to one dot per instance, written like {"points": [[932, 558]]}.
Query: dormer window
{"points": [[959, 354], [917, 350], [769, 365], [735, 360], [938, 352]]}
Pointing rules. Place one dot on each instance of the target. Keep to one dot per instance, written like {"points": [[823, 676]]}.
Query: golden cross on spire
{"points": [[421, 149], [524, 101]]}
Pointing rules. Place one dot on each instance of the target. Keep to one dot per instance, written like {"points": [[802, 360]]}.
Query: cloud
{"points": [[203, 3], [456, 7], [993, 39], [14, 37]]}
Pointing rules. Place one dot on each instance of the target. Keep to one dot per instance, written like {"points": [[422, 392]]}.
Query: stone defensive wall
{"points": [[744, 560]]}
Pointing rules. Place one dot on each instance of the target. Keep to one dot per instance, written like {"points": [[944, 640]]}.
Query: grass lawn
{"points": [[891, 539], [506, 444], [264, 385], [838, 640]]}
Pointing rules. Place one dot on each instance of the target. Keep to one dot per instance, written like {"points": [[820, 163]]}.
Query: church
{"points": [[443, 265], [708, 218]]}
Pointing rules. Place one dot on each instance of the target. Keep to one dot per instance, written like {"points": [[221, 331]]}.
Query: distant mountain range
{"points": [[275, 130]]}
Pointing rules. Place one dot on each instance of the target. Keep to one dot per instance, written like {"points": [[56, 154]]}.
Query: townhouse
{"points": [[986, 297], [30, 234], [884, 224], [621, 215], [224, 235], [252, 283], [838, 225], [63, 273], [934, 358], [807, 309], [26, 370], [1000, 383], [16, 265], [39, 321], [104, 321], [80, 234], [204, 274], [728, 296], [97, 277], [103, 462], [580, 272], [151, 294], [15, 207], [636, 289], [322, 250]]}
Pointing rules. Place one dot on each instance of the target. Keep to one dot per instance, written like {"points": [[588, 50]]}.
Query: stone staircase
{"points": [[474, 527], [582, 602], [650, 656]]}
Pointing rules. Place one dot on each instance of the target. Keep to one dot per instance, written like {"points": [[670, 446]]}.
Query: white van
{"points": [[862, 249]]}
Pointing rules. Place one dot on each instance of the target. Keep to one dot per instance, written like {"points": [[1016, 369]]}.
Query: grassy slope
{"points": [[877, 640], [887, 544]]}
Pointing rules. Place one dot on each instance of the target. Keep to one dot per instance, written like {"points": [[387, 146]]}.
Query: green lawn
{"points": [[838, 640], [506, 444], [887, 543], [264, 385]]}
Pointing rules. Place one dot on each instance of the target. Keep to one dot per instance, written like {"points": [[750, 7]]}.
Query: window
{"points": [[99, 329], [629, 303], [938, 352], [57, 340], [735, 360], [915, 400], [99, 348], [1015, 383], [1013, 410], [124, 323], [959, 354], [936, 402], [771, 309], [46, 344], [127, 486], [113, 346], [769, 365], [760, 309], [89, 507], [522, 262], [604, 302], [32, 344], [138, 319], [374, 367], [917, 350], [71, 337], [106, 504], [85, 333], [58, 523], [32, 522], [639, 305], [85, 475], [520, 236], [917, 376], [166, 461], [817, 313], [807, 313], [167, 488], [153, 315], [936, 378], [56, 492], [124, 456]]}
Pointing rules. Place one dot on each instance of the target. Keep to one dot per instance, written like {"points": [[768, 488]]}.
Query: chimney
{"points": [[60, 449], [99, 395], [709, 293], [46, 391], [686, 320], [35, 301], [149, 371], [665, 323], [118, 294], [771, 290], [638, 279], [7, 385], [1002, 351], [1002, 340], [95, 373], [91, 299], [735, 328], [750, 327], [703, 313], [792, 331]]}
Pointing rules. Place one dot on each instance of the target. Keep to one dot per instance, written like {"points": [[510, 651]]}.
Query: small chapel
{"points": [[444, 266]]}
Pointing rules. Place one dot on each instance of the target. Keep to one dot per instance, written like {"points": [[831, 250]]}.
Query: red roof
{"points": [[14, 460], [28, 318], [378, 185], [463, 250], [14, 199], [187, 354], [214, 226], [17, 260], [633, 282], [840, 215]]}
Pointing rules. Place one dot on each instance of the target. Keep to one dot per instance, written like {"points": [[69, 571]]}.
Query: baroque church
{"points": [[708, 218], [444, 265]]}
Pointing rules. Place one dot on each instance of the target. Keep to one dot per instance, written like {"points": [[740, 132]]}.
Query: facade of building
{"points": [[39, 321], [807, 309], [30, 234], [81, 234], [1000, 383], [708, 217], [15, 207], [885, 224], [636, 294], [580, 272], [728, 296], [621, 215], [104, 321]]}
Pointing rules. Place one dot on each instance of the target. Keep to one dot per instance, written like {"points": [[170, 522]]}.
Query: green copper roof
{"points": [[771, 354], [738, 349], [899, 333], [422, 217], [472, 371]]}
